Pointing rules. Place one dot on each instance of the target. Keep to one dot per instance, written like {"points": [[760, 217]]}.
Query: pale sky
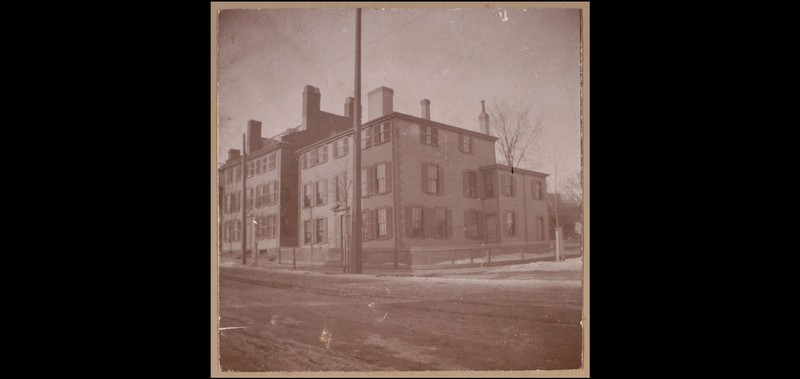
{"points": [[453, 57]]}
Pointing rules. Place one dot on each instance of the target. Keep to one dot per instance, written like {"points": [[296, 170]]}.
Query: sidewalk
{"points": [[420, 271]]}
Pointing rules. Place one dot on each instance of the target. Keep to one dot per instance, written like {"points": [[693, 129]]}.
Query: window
{"points": [[228, 176], [260, 227], [470, 184], [365, 225], [416, 222], [471, 225], [238, 173], [322, 192], [366, 138], [322, 154], [364, 181], [465, 144], [307, 195], [225, 204], [250, 198], [540, 228], [271, 192], [488, 184], [537, 190], [341, 147], [251, 169], [381, 132], [507, 185], [429, 135], [307, 231], [238, 235], [321, 229], [432, 179], [259, 165], [442, 223], [381, 177], [272, 162], [270, 221], [382, 231], [341, 186], [509, 227], [312, 157]]}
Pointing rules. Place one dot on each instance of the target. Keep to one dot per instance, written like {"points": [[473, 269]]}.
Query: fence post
{"points": [[429, 257], [395, 258], [522, 252], [310, 253], [294, 258], [489, 252], [471, 254], [559, 243], [279, 255], [452, 257]]}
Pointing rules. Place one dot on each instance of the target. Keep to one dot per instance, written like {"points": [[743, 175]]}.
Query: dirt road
{"points": [[295, 321]]}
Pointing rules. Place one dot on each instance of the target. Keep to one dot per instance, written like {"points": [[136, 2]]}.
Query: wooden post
{"points": [[453, 257], [294, 258], [522, 252], [471, 254], [279, 255], [395, 258], [489, 252]]}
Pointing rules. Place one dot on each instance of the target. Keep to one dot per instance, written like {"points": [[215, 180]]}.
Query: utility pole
{"points": [[355, 262], [244, 201]]}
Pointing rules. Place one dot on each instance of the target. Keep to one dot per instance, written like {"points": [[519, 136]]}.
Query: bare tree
{"points": [[572, 188], [516, 128]]}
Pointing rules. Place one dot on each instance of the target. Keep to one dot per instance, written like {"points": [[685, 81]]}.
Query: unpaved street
{"points": [[506, 319]]}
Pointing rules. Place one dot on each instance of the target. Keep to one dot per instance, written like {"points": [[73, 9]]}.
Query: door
{"points": [[491, 228]]}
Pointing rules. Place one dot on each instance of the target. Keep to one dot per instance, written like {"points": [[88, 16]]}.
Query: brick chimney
{"points": [[348, 107], [380, 102], [253, 135], [483, 119], [311, 103], [234, 153], [426, 109]]}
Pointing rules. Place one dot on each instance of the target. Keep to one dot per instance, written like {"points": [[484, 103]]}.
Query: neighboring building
{"points": [[423, 183], [272, 170], [569, 215]]}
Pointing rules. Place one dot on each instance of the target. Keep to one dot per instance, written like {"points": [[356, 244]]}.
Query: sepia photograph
{"points": [[399, 189]]}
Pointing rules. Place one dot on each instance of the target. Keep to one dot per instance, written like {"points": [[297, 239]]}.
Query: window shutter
{"points": [[389, 222], [346, 145], [449, 228], [461, 143], [422, 130], [513, 185], [434, 137], [373, 224], [324, 153], [439, 180], [429, 222], [465, 176], [303, 161], [277, 192], [388, 173], [481, 226], [370, 180], [325, 230], [368, 137], [466, 225], [336, 148], [424, 178], [324, 191], [376, 134], [514, 222], [409, 222]]}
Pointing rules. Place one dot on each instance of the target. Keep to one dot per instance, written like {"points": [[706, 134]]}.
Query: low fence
{"points": [[486, 253], [420, 256]]}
